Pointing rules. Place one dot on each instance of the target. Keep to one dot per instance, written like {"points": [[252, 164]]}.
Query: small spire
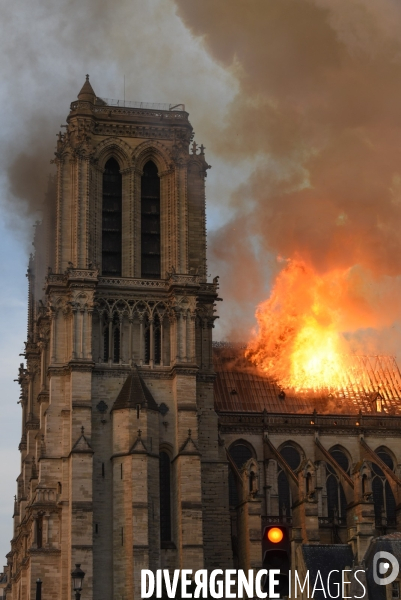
{"points": [[87, 94], [82, 430], [189, 433]]}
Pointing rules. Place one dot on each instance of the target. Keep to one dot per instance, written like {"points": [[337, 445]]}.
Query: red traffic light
{"points": [[275, 535]]}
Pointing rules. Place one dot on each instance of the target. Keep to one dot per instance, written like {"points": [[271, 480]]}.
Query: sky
{"points": [[298, 105]]}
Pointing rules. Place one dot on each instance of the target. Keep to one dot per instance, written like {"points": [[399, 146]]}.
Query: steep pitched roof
{"points": [[87, 92], [82, 445], [240, 387], [325, 558], [134, 392]]}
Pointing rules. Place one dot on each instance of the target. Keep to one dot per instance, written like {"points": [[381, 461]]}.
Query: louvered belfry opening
{"points": [[112, 220], [150, 222]]}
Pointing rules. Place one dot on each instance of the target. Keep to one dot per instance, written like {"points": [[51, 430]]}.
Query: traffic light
{"points": [[276, 553]]}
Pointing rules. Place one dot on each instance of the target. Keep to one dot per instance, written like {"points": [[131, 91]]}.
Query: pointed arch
{"points": [[241, 452], [292, 453], [154, 151], [116, 148], [342, 457]]}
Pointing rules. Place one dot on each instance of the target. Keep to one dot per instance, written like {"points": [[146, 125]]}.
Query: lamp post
{"points": [[77, 581], [38, 589]]}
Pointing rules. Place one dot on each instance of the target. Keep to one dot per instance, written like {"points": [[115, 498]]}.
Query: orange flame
{"points": [[299, 341]]}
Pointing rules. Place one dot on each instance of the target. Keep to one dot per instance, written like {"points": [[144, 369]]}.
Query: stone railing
{"points": [[130, 282], [330, 521], [312, 421], [275, 519], [182, 279]]}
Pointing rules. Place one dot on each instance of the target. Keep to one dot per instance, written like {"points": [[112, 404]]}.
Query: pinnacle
{"points": [[87, 92]]}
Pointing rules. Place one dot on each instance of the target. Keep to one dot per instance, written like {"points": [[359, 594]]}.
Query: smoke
{"points": [[319, 111], [299, 97], [48, 47]]}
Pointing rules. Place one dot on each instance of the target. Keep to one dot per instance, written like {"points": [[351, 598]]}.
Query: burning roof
{"points": [[371, 384]]}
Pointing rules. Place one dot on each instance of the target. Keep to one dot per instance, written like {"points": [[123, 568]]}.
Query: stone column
{"points": [[110, 357], [88, 333], [130, 341], [161, 339], [141, 340], [151, 343], [53, 334]]}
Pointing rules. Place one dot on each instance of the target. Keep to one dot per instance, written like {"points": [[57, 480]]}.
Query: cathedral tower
{"points": [[122, 468]]}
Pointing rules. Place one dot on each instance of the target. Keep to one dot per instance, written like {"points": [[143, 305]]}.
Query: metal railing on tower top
{"points": [[133, 104]]}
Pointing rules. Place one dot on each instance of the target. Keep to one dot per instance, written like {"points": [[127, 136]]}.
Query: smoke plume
{"points": [[319, 112], [49, 46]]}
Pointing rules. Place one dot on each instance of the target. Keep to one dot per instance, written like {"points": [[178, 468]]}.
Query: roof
{"points": [[326, 558], [390, 543], [87, 92], [241, 387], [134, 392]]}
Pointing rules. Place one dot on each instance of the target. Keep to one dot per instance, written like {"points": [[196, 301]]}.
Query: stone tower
{"points": [[121, 464]]}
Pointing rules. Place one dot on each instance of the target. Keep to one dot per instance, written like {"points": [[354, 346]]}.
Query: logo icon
{"points": [[381, 568]]}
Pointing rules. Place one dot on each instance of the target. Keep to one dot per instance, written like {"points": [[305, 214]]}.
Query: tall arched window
{"points": [[336, 501], [240, 455], [39, 531], [383, 497], [116, 343], [106, 342], [165, 497], [157, 342], [293, 459], [112, 351], [150, 222], [112, 220]]}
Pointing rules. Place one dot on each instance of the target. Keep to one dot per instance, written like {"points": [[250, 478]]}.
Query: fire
{"points": [[300, 340]]}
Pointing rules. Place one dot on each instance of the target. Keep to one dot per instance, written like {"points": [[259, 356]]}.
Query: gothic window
{"points": [[106, 343], [147, 341], [165, 497], [293, 459], [115, 341], [39, 531], [340, 458], [336, 501], [291, 456], [150, 222], [116, 344], [155, 330], [383, 498], [157, 343], [240, 455], [284, 494], [112, 220]]}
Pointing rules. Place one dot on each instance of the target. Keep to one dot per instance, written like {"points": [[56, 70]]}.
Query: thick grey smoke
{"points": [[319, 110], [48, 47]]}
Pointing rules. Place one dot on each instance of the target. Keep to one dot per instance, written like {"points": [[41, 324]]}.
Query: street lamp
{"points": [[77, 581], [38, 589]]}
